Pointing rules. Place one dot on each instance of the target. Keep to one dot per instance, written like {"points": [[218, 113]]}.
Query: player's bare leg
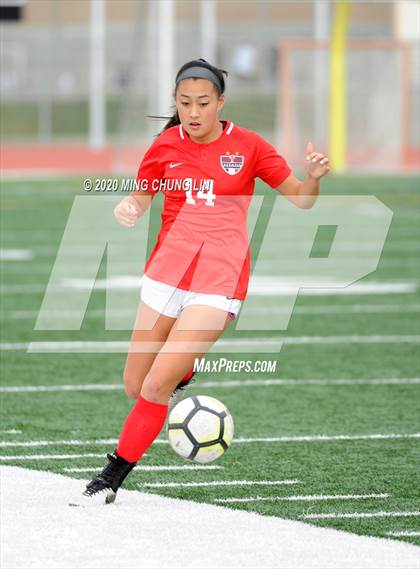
{"points": [[150, 328], [193, 319], [185, 342]]}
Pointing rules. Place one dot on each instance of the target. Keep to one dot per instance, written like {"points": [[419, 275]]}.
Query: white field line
{"points": [[301, 498], [321, 309], [240, 345], [10, 432], [343, 309], [304, 382], [339, 515], [221, 383], [6, 346], [259, 286], [70, 442], [65, 388], [159, 468], [400, 235], [218, 483], [327, 438], [16, 254], [24, 289], [403, 533], [284, 439], [395, 261], [52, 456]]}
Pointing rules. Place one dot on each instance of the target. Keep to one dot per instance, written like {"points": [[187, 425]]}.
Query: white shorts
{"points": [[170, 301]]}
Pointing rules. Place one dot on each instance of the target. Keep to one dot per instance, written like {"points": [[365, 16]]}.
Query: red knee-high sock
{"points": [[140, 429]]}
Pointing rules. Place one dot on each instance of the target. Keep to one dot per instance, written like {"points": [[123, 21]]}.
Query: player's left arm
{"points": [[304, 194]]}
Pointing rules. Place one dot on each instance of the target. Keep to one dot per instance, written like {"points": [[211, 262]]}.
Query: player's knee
{"points": [[132, 386], [132, 392], [155, 386]]}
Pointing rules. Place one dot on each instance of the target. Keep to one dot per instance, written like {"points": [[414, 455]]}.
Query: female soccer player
{"points": [[198, 272]]}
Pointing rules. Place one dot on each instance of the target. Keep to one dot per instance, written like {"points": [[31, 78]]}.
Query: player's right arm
{"points": [[131, 208]]}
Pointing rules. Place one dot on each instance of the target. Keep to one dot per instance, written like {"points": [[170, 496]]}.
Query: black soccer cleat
{"points": [[178, 393], [104, 486]]}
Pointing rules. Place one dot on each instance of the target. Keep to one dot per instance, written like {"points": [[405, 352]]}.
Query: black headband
{"points": [[200, 73]]}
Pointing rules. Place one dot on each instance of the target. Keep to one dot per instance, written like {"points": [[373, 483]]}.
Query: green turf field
{"points": [[72, 422]]}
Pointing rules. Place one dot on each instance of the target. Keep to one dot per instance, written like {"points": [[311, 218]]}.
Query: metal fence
{"points": [[45, 69]]}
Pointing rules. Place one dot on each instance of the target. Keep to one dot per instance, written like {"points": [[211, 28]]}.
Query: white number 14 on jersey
{"points": [[204, 193]]}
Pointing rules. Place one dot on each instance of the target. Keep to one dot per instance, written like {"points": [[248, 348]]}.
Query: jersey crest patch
{"points": [[232, 163]]}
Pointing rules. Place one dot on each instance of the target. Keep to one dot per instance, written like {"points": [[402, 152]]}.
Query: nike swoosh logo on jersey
{"points": [[174, 164]]}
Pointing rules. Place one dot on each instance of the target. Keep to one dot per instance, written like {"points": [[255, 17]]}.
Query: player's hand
{"points": [[316, 163], [126, 212]]}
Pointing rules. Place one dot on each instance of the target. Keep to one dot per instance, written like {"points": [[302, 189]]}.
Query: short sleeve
{"points": [[270, 166], [151, 167]]}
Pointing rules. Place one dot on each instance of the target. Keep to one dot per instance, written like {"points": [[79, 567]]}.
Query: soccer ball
{"points": [[200, 428]]}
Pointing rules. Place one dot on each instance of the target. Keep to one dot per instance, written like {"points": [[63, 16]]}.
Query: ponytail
{"points": [[173, 121]]}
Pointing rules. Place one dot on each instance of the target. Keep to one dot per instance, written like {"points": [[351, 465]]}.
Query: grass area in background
{"points": [[34, 214], [70, 119]]}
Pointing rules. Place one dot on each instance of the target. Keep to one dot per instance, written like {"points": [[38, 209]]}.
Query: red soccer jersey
{"points": [[203, 243]]}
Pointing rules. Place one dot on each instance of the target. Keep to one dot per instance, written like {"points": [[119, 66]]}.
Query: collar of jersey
{"points": [[226, 132]]}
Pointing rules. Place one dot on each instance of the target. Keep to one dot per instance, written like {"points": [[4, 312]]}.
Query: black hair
{"points": [[220, 73]]}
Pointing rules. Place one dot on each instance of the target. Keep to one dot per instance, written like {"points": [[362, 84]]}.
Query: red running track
{"points": [[71, 159]]}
